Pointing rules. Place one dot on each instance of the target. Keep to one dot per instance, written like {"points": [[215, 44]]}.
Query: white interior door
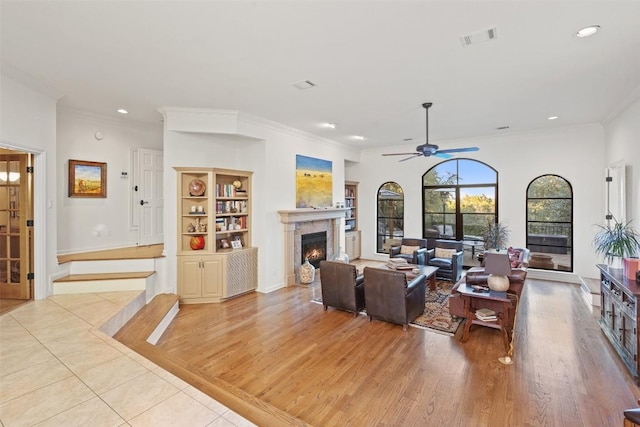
{"points": [[151, 200]]}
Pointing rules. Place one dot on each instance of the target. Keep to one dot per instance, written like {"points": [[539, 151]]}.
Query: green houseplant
{"points": [[615, 241], [496, 235]]}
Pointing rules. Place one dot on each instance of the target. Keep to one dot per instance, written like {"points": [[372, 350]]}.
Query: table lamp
{"points": [[498, 267]]}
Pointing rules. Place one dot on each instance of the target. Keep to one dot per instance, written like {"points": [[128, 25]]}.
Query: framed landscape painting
{"points": [[314, 182], [87, 179]]}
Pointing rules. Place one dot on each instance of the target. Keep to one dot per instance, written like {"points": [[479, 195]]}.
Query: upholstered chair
{"points": [[413, 250], [388, 296], [342, 288], [447, 256]]}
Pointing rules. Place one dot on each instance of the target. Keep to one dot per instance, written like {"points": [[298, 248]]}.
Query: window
{"points": [[550, 223], [390, 216], [459, 197]]}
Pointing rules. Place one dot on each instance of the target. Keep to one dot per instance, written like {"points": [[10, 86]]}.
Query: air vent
{"points": [[304, 84], [479, 37]]}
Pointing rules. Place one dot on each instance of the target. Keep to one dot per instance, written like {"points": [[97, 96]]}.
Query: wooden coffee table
{"points": [[503, 303]]}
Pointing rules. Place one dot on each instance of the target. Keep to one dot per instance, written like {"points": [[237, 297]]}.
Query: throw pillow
{"points": [[445, 253], [515, 257], [408, 250]]}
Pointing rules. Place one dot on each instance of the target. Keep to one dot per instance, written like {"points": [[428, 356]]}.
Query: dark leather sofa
{"points": [[477, 276], [389, 297], [342, 288]]}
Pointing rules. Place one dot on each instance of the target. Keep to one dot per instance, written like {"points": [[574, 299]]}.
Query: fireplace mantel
{"points": [[292, 218], [310, 214]]}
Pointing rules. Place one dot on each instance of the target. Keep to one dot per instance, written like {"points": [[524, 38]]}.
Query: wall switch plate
{"points": [[124, 175]]}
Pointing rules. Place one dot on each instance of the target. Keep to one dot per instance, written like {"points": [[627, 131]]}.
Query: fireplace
{"points": [[314, 247], [297, 222]]}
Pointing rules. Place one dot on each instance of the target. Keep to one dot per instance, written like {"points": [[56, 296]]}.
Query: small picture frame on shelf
{"points": [[236, 244], [224, 243]]}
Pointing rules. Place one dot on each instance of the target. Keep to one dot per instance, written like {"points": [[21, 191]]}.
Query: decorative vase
{"points": [[307, 272], [341, 256], [196, 243]]}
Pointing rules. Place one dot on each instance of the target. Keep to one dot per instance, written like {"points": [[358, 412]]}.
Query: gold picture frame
{"points": [[87, 179]]}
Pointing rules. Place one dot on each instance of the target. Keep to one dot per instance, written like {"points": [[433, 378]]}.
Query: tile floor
{"points": [[57, 368]]}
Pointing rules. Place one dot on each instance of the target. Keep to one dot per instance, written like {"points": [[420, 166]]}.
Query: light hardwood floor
{"points": [[330, 369]]}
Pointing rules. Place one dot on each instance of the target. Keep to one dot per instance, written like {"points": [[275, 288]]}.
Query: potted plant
{"points": [[615, 241], [496, 235]]}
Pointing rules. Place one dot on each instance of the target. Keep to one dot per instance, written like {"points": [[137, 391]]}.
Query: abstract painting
{"points": [[314, 182]]}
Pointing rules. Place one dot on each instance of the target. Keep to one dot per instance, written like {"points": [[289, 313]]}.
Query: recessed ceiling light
{"points": [[359, 138], [587, 31], [122, 111], [552, 117], [304, 84], [329, 125]]}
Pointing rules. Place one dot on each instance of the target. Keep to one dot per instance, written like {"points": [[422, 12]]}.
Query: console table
{"points": [[619, 315], [503, 303]]}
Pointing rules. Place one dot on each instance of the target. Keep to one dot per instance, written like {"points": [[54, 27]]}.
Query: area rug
{"points": [[436, 316]]}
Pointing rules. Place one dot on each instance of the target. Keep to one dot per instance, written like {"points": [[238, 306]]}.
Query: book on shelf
{"points": [[487, 319], [485, 312]]}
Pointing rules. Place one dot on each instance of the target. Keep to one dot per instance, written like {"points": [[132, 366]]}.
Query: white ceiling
{"points": [[374, 62]]}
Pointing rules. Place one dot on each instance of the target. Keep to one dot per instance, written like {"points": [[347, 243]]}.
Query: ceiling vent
{"points": [[479, 37], [304, 84]]}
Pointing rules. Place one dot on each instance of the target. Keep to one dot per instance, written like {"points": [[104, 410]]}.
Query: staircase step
{"points": [[103, 282], [150, 321], [104, 276], [112, 266], [134, 252], [590, 290]]}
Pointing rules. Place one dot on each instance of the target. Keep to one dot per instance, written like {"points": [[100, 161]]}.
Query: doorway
{"points": [[16, 225]]}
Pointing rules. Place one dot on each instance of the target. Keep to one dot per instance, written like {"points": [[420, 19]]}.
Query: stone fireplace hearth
{"points": [[304, 221]]}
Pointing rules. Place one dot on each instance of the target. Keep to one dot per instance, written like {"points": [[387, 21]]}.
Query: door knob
{"points": [[143, 202]]}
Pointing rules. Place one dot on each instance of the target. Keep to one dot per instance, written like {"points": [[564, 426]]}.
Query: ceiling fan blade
{"points": [[415, 155], [459, 150], [400, 154], [442, 155]]}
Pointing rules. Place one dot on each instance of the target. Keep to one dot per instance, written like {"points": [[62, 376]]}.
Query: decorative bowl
{"points": [[197, 187]]}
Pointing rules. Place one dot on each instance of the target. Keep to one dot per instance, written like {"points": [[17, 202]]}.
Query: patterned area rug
{"points": [[436, 316]]}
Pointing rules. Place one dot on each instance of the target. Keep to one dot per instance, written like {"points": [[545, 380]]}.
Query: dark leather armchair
{"points": [[342, 288], [389, 297], [417, 256], [449, 268]]}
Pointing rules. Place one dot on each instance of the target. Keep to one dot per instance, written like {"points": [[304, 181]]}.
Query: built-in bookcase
{"points": [[215, 257], [352, 232]]}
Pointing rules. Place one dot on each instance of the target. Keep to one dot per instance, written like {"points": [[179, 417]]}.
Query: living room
{"points": [[36, 119]]}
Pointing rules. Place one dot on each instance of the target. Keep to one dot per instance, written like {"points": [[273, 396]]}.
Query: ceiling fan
{"points": [[427, 149]]}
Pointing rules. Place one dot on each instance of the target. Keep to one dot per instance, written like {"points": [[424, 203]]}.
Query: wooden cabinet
{"points": [[200, 277], [619, 315], [214, 235], [352, 244], [352, 233]]}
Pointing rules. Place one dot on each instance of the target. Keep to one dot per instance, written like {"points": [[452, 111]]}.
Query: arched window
{"points": [[550, 223], [390, 216], [459, 197]]}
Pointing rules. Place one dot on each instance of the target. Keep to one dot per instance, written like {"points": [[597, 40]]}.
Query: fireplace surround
{"points": [[297, 222]]}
